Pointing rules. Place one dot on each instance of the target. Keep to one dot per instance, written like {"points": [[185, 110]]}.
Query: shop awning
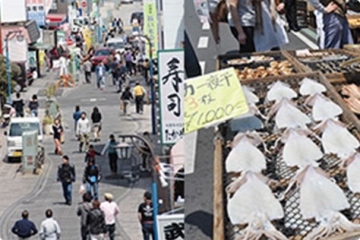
{"points": [[55, 19]]}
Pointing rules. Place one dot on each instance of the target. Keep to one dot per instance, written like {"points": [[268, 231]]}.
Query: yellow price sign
{"points": [[212, 98]]}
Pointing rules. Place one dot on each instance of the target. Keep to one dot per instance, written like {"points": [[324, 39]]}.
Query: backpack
{"points": [[222, 11], [96, 221]]}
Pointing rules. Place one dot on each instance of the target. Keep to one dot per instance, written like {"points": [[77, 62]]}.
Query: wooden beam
{"points": [[218, 231]]}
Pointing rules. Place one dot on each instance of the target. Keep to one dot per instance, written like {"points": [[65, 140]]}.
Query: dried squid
{"points": [[311, 87], [323, 108], [254, 204], [337, 139], [280, 90], [288, 115], [322, 199], [352, 172], [296, 141], [252, 99], [244, 156]]}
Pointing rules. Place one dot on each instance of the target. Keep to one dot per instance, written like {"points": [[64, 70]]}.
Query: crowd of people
{"points": [[257, 25]]}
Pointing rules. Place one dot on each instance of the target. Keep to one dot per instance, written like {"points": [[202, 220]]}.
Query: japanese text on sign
{"points": [[171, 88], [212, 98]]}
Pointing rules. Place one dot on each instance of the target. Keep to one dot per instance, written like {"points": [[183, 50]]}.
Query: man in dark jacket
{"points": [[18, 104], [66, 175], [92, 177], [83, 211], [24, 228], [96, 221]]}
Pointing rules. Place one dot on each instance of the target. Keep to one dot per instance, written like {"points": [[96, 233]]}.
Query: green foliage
{"points": [[15, 73]]}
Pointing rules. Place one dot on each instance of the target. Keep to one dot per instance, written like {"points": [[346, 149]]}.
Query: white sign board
{"points": [[171, 227], [173, 21], [18, 50], [12, 11], [171, 88]]}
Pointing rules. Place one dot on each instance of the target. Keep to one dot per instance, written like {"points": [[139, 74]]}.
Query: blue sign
{"points": [[38, 17]]}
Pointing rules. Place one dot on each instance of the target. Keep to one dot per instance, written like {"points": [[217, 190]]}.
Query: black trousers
{"points": [[88, 77], [85, 233], [291, 13], [139, 103], [113, 162], [249, 46]]}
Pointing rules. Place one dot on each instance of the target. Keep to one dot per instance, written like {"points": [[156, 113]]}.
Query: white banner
{"points": [[171, 89], [171, 227]]}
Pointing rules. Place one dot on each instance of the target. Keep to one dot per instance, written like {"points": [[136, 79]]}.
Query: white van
{"points": [[14, 135], [116, 43]]}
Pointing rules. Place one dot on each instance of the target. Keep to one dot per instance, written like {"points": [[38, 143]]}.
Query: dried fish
{"points": [[323, 107], [250, 96], [352, 172]]}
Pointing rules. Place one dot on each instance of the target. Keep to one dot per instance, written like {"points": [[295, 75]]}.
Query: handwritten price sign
{"points": [[213, 98]]}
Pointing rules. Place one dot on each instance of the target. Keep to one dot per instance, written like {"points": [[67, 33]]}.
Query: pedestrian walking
{"points": [[49, 228], [96, 222], [96, 123], [58, 130], [66, 175], [83, 131], [87, 69], [139, 92], [145, 152], [146, 69], [18, 104], [24, 228], [92, 177], [128, 61], [110, 210], [34, 105], [126, 98], [100, 75], [91, 154], [64, 62], [58, 115], [146, 217], [76, 116], [83, 211], [110, 148]]}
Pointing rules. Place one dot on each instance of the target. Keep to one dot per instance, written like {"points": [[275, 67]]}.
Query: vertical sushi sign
{"points": [[171, 89], [213, 98]]}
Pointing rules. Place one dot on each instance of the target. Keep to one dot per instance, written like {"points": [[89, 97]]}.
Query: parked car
{"points": [[101, 54], [127, 1], [116, 43]]}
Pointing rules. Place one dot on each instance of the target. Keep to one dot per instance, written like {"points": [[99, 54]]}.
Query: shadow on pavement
{"points": [[202, 220]]}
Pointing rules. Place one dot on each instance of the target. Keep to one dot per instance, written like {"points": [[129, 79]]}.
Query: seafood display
{"points": [[296, 178], [351, 96], [248, 60], [273, 68], [328, 61]]}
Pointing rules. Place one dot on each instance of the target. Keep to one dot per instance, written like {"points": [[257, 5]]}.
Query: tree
{"points": [[15, 73]]}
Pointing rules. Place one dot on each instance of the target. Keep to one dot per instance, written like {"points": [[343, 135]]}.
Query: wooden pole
{"points": [[218, 231]]}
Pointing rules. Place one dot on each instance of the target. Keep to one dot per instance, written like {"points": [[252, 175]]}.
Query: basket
{"points": [[292, 226]]}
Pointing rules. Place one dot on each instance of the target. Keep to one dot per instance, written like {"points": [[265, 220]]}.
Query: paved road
{"points": [[199, 184]]}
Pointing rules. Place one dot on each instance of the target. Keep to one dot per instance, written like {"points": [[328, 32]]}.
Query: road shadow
{"points": [[202, 220]]}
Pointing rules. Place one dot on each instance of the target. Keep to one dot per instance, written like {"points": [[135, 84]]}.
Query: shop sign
{"points": [[213, 98], [171, 227], [30, 149], [171, 89], [150, 26], [36, 11]]}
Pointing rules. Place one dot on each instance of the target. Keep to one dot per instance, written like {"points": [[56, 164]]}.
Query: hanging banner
{"points": [[150, 26], [36, 11], [171, 92], [213, 98]]}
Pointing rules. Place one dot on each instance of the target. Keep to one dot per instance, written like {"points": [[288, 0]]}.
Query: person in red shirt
{"points": [[91, 153]]}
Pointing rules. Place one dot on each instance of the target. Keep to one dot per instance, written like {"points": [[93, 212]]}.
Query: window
{"points": [[17, 129], [116, 45], [102, 52]]}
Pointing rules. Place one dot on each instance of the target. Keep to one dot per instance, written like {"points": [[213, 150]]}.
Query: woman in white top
{"points": [[270, 33], [214, 23]]}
